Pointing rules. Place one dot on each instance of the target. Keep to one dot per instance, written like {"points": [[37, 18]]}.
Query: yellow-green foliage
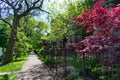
{"points": [[22, 44]]}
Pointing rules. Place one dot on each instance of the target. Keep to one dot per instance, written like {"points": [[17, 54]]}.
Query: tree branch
{"points": [[19, 6], [26, 4], [6, 22], [41, 3], [10, 4], [32, 8], [45, 11], [16, 3], [34, 3]]}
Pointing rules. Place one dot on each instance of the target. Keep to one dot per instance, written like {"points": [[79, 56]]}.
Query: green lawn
{"points": [[16, 65], [8, 77]]}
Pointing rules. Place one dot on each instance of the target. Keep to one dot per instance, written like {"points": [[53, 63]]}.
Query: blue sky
{"points": [[47, 4], [58, 5]]}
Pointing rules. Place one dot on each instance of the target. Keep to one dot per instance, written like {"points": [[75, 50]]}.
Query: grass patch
{"points": [[16, 65], [8, 77]]}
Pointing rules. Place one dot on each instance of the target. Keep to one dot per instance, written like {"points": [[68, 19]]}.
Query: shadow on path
{"points": [[33, 69]]}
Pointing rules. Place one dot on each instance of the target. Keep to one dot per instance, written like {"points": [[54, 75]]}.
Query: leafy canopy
{"points": [[105, 25], [3, 34]]}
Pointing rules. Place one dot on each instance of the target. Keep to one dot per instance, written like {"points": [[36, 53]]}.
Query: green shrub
{"points": [[74, 75], [8, 77], [5, 77], [90, 66], [47, 60]]}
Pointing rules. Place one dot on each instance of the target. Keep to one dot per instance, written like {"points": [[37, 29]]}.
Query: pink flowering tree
{"points": [[105, 25]]}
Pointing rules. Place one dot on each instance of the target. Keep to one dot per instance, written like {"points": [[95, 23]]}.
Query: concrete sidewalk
{"points": [[33, 69]]}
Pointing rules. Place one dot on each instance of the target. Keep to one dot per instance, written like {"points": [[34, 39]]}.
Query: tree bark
{"points": [[10, 47], [16, 8]]}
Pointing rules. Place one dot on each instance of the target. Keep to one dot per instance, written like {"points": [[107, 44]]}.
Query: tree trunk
{"points": [[9, 50]]}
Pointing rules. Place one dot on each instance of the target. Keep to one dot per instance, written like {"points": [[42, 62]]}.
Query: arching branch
{"points": [[4, 19]]}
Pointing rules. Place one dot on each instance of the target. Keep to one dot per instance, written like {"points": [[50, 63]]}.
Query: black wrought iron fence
{"points": [[66, 64]]}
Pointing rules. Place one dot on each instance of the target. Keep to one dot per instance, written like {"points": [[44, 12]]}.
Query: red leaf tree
{"points": [[105, 25]]}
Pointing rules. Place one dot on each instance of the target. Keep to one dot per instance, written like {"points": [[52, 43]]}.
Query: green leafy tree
{"points": [[25, 32], [17, 9], [22, 46], [33, 30], [76, 33], [58, 27], [3, 35], [61, 21], [30, 24], [39, 31]]}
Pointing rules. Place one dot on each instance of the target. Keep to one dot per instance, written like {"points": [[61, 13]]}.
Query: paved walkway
{"points": [[33, 69]]}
